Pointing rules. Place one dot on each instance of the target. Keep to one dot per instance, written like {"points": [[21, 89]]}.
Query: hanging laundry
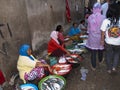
{"points": [[68, 12]]}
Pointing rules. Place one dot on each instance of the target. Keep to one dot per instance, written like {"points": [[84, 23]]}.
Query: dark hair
{"points": [[74, 23], [113, 12], [58, 28], [82, 21]]}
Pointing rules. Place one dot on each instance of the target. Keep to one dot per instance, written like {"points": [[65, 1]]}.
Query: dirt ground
{"points": [[96, 80]]}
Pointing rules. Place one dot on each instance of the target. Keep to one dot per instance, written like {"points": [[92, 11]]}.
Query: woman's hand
{"points": [[39, 64]]}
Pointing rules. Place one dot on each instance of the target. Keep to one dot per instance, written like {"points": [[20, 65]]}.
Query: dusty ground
{"points": [[96, 80]]}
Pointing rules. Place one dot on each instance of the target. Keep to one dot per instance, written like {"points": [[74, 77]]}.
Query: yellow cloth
{"points": [[25, 65], [75, 38]]}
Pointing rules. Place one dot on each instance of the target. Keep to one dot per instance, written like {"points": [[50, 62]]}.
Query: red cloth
{"points": [[68, 12], [2, 78], [60, 38], [52, 46]]}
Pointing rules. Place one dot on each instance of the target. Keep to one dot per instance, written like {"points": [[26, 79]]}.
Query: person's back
{"points": [[94, 35], [94, 23], [108, 25], [111, 35]]}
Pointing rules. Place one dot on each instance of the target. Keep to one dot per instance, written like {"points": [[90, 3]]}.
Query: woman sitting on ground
{"points": [[30, 68], [82, 27], [54, 47], [74, 32], [59, 28]]}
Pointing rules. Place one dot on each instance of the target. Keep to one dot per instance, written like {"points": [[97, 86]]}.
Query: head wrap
{"points": [[95, 19], [54, 36], [97, 7], [23, 50]]}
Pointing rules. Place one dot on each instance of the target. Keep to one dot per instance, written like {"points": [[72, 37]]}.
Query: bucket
{"points": [[52, 82], [53, 61], [28, 87]]}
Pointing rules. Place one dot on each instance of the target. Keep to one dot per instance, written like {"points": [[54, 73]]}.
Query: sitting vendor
{"points": [[54, 47], [29, 68], [82, 27], [59, 29], [74, 32]]}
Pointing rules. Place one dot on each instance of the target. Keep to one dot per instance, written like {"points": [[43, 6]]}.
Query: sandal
{"points": [[93, 68]]}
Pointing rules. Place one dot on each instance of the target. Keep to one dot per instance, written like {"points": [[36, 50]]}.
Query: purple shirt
{"points": [[94, 37]]}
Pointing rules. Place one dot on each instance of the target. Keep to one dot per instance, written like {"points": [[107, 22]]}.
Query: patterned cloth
{"points": [[35, 73]]}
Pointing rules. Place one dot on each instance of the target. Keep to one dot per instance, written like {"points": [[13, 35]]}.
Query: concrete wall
{"points": [[14, 13], [44, 15], [31, 21]]}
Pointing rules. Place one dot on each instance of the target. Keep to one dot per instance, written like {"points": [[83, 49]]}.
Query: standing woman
{"points": [[112, 41], [94, 35]]}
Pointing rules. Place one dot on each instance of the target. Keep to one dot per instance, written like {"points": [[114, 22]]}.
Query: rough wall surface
{"points": [[14, 13], [31, 21], [44, 15]]}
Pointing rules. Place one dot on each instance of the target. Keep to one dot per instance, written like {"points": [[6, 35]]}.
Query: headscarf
{"points": [[54, 36], [97, 8], [96, 18], [23, 50]]}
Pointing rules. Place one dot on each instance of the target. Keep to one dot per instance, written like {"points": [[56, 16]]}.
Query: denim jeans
{"points": [[112, 56], [94, 54]]}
